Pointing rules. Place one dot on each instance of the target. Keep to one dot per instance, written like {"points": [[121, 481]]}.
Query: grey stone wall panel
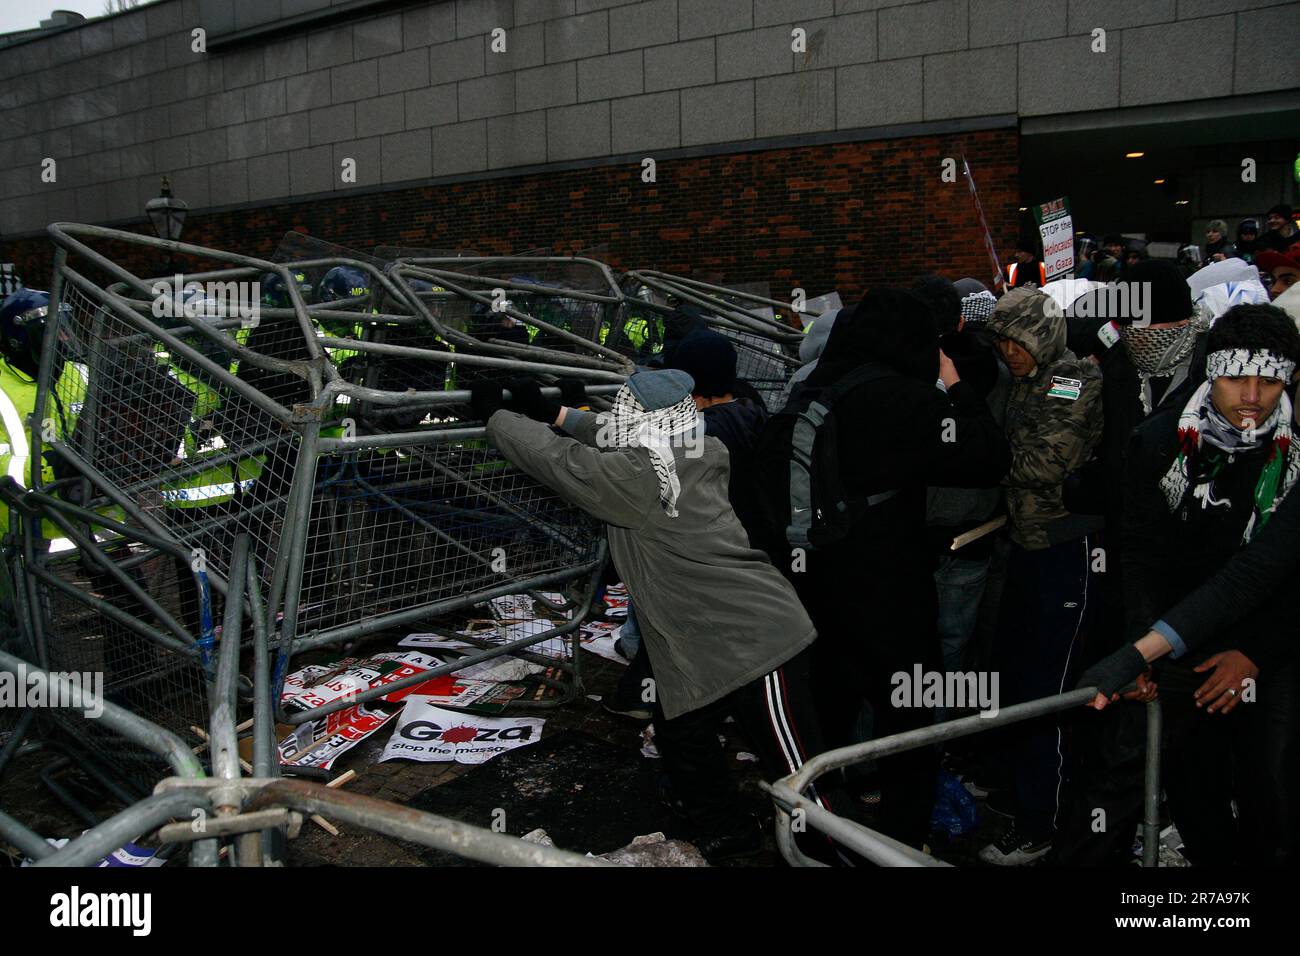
{"points": [[878, 94], [718, 114], [645, 123], [460, 148]]}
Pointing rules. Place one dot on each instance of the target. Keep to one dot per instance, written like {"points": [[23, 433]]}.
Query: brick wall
{"points": [[839, 216]]}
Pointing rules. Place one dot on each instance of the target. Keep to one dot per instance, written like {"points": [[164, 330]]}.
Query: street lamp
{"points": [[167, 212]]}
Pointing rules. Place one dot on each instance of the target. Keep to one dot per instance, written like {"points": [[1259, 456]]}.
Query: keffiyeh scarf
{"points": [[978, 306], [1201, 423], [1157, 353], [631, 426]]}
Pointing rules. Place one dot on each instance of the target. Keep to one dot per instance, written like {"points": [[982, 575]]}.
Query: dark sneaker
{"points": [[1016, 848], [744, 841]]}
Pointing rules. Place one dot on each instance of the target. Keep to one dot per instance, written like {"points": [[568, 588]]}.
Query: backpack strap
{"points": [[803, 438]]}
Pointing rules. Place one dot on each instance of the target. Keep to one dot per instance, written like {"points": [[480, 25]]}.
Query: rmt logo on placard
{"points": [[77, 909]]}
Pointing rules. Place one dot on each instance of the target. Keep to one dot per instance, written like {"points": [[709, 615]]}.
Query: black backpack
{"points": [[797, 462]]}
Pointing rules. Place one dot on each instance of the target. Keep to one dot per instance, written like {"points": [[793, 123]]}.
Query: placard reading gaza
{"points": [[431, 734]]}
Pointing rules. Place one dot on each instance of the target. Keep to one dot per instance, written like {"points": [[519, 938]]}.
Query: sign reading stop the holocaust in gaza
{"points": [[1056, 226]]}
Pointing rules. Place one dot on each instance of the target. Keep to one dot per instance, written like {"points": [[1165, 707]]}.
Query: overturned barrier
{"points": [[367, 491]]}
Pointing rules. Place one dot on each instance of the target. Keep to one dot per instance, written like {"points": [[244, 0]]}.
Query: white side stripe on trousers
{"points": [[777, 716]]}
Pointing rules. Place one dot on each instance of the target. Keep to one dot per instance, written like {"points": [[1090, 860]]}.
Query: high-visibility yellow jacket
{"points": [[17, 402]]}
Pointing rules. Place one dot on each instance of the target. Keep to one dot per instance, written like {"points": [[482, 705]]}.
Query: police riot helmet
{"points": [[22, 329]]}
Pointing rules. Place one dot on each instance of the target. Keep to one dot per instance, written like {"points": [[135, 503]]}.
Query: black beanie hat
{"points": [[710, 359], [1171, 296]]}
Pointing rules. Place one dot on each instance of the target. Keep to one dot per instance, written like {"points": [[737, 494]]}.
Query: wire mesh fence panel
{"points": [[763, 365], [195, 454], [393, 529], [558, 304], [659, 312], [137, 673], [194, 423]]}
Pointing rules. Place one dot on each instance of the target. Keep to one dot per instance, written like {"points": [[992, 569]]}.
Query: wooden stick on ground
{"points": [[316, 818]]}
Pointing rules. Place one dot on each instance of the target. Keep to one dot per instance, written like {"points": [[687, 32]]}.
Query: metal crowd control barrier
{"points": [[367, 490], [788, 792], [767, 347], [237, 812]]}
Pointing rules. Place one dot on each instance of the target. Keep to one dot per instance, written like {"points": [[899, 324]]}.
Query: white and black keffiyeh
{"points": [[1201, 423], [1238, 362], [978, 306], [630, 425], [1157, 353]]}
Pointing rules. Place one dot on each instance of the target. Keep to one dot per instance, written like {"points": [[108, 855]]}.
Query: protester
{"points": [[1151, 367], [815, 334], [1283, 268], [1084, 263], [1135, 253], [709, 359], [895, 435], [1217, 245], [1248, 239], [1201, 483], [953, 512], [1113, 246], [722, 628], [1054, 419], [1108, 269], [977, 301], [1282, 232]]}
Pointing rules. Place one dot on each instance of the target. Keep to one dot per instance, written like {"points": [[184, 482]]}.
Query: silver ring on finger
{"points": [[1232, 692]]}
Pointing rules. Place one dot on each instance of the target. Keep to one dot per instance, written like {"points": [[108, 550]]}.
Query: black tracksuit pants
{"points": [[776, 716], [1045, 617]]}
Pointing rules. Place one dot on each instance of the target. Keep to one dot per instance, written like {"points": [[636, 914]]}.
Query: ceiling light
{"points": [[1160, 182], [1182, 202], [1137, 155]]}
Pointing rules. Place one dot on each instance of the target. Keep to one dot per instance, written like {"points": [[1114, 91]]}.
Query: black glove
{"points": [[527, 399], [573, 393], [1114, 671], [485, 398]]}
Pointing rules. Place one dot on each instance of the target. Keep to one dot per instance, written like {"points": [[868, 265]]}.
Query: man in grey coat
{"points": [[724, 630]]}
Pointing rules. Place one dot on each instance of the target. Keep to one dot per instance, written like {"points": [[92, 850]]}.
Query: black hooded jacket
{"points": [[899, 433], [737, 425]]}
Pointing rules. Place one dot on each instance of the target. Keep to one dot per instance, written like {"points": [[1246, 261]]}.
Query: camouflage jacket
{"points": [[1053, 420]]}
